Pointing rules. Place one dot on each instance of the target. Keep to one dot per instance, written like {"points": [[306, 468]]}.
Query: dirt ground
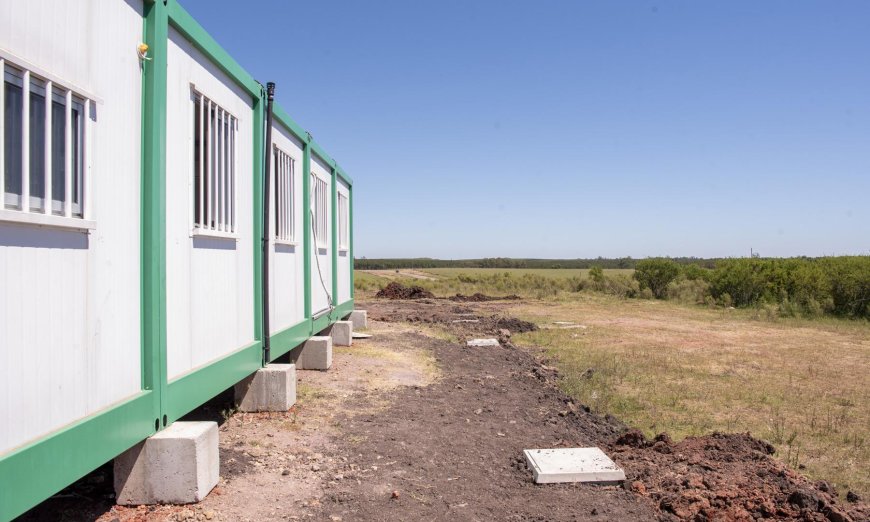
{"points": [[413, 425]]}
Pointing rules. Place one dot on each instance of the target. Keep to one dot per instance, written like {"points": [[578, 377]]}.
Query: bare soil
{"points": [[399, 291], [384, 436], [478, 297]]}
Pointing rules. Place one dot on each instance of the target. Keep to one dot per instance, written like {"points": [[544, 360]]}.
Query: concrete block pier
{"points": [[179, 465], [314, 354], [272, 388]]}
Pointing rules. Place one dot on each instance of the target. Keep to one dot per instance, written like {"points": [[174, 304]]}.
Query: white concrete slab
{"points": [[483, 342], [360, 335], [551, 466]]}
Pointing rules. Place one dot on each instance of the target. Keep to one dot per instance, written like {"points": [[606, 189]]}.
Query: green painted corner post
{"points": [[153, 233], [259, 122], [334, 230], [306, 225], [350, 234]]}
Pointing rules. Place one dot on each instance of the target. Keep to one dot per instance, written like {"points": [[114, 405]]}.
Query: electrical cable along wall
{"points": [[140, 244]]}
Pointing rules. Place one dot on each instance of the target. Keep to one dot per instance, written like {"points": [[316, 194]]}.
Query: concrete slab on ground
{"points": [[482, 342], [551, 466]]}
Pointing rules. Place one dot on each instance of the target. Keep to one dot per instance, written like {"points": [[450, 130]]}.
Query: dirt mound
{"points": [[399, 291], [481, 298], [724, 477], [515, 325]]}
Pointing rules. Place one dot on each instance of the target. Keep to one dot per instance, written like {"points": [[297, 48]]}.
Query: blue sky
{"points": [[578, 129]]}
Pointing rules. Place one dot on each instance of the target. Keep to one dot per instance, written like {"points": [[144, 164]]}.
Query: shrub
{"points": [[689, 291], [656, 274], [596, 274], [694, 272]]}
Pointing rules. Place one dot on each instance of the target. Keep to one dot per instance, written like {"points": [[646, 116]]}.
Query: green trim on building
{"points": [[350, 235], [279, 115], [195, 388], [199, 37], [153, 231], [306, 226], [258, 178], [290, 338], [40, 469], [334, 232]]}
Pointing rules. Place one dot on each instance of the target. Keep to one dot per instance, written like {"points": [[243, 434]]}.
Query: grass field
{"points": [[558, 273], [803, 385]]}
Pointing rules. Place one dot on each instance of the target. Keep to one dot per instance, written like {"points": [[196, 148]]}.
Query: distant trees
{"points": [[656, 274]]}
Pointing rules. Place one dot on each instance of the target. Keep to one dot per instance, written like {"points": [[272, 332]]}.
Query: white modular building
{"points": [[137, 264]]}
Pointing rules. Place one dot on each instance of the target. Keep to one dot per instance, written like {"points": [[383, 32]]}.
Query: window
{"points": [[343, 222], [318, 208], [43, 144], [285, 176], [214, 166]]}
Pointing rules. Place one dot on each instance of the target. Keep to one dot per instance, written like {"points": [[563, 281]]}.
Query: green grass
{"points": [[526, 282], [802, 385]]}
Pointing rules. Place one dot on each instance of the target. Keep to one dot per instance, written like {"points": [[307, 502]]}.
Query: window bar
{"points": [[25, 142], [209, 169], [288, 162], [284, 203], [233, 123], [201, 187], [226, 153], [223, 181], [219, 163], [279, 192], [49, 96], [84, 178], [68, 156], [2, 130], [290, 191], [288, 176]]}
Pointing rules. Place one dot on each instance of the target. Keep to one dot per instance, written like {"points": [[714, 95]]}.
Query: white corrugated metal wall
{"points": [[286, 268], [323, 256], [344, 261], [209, 280], [69, 306]]}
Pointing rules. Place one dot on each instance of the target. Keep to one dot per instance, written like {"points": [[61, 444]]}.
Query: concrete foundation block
{"points": [[272, 388], [314, 354], [341, 333], [179, 465], [359, 318]]}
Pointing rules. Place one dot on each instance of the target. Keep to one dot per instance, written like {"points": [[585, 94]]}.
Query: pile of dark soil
{"points": [[725, 477], [480, 298], [396, 290], [462, 321]]}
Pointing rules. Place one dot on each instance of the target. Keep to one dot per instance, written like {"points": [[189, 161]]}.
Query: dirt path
{"points": [[413, 425]]}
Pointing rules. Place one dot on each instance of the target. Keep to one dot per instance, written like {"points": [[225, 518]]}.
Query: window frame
{"points": [[343, 221], [283, 201], [220, 157], [23, 207], [320, 209]]}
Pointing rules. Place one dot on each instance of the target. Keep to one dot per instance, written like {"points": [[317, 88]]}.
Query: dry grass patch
{"points": [[802, 385]]}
